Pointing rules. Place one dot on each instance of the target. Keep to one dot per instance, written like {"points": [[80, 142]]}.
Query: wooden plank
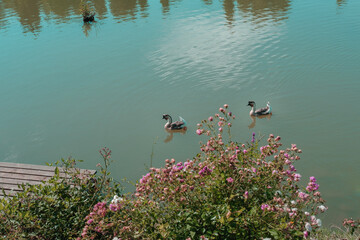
{"points": [[23, 177], [14, 174], [4, 166], [17, 181], [26, 166], [14, 187], [27, 171]]}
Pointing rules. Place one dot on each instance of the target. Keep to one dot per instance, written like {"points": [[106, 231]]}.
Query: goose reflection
{"points": [[253, 118], [88, 27], [340, 3], [170, 137]]}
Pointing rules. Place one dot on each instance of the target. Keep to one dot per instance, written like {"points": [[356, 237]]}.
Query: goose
{"points": [[178, 125], [261, 111]]}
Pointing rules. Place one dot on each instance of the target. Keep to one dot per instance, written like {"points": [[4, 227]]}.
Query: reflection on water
{"points": [[28, 13], [123, 9], [165, 4], [229, 10], [208, 2], [170, 132], [262, 10], [32, 12], [88, 27], [256, 10], [253, 119], [340, 2]]}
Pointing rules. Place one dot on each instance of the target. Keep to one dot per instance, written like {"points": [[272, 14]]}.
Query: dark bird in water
{"points": [[261, 111], [174, 125], [89, 17]]}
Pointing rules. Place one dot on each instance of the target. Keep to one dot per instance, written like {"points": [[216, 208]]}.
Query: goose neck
{"points": [[169, 120]]}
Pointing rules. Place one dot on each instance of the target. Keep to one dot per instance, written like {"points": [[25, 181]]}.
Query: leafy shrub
{"points": [[56, 208], [228, 191]]}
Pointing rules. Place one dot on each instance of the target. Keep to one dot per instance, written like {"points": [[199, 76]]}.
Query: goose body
{"points": [[170, 125], [261, 111]]}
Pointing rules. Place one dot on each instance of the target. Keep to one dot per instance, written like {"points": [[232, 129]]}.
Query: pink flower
{"points": [[211, 119], [221, 110], [306, 234], [297, 177], [246, 195], [229, 179], [226, 105], [312, 179], [89, 221], [245, 151], [114, 207], [264, 207], [199, 132], [303, 196], [220, 129]]}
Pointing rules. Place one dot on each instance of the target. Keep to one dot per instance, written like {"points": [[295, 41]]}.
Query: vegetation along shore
{"points": [[229, 190]]}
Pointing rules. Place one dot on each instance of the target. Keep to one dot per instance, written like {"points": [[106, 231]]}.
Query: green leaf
{"points": [[274, 233]]}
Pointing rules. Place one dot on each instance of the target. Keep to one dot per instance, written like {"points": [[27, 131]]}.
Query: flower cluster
{"points": [[351, 225], [229, 190]]}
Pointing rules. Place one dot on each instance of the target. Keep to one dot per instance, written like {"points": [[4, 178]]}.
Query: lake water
{"points": [[68, 89]]}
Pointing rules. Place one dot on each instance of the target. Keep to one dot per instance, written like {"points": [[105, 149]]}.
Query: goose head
{"points": [[251, 104], [166, 116]]}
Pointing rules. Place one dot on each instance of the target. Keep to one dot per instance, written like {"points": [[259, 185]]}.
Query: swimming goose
{"points": [[174, 125], [261, 111]]}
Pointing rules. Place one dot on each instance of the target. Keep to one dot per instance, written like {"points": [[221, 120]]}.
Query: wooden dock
{"points": [[13, 174]]}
